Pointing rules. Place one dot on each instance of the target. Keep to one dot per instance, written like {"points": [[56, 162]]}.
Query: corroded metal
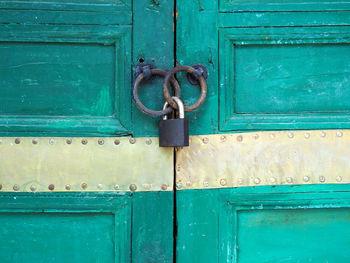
{"points": [[84, 164], [264, 158], [143, 108], [202, 84]]}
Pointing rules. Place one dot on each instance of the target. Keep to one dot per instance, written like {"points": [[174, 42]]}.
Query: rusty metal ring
{"points": [[137, 100], [202, 83]]}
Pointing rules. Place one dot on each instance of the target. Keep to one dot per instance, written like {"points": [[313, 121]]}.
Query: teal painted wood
{"points": [[284, 78], [153, 24], [61, 227], [262, 76], [87, 227], [49, 84], [282, 5], [264, 224], [68, 67], [153, 217]]}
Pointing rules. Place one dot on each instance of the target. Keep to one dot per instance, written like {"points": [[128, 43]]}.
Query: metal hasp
{"points": [[264, 158], [174, 132], [200, 70]]}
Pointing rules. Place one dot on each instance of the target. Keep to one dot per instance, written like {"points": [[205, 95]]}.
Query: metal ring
{"points": [[137, 100], [168, 97]]}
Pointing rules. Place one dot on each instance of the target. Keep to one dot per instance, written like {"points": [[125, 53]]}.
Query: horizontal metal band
{"points": [[264, 158], [84, 164]]}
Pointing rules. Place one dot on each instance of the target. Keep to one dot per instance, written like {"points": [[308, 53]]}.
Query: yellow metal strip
{"points": [[84, 164], [264, 158]]}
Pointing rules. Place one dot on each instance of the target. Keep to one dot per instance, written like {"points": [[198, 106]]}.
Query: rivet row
{"points": [[84, 141], [240, 138], [257, 181], [84, 186]]}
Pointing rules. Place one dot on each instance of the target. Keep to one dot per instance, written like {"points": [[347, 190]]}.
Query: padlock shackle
{"points": [[179, 104]]}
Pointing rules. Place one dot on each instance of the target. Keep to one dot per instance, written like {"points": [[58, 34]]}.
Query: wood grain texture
{"points": [[265, 224], [278, 5], [68, 67], [294, 78], [278, 78], [65, 227]]}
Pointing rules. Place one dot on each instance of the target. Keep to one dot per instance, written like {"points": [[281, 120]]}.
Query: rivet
{"points": [[307, 135], [306, 178], [116, 187], [223, 182], [84, 186], [239, 138], [189, 184], [323, 134], [116, 142], [322, 179], [147, 186], [339, 178], [223, 138], [272, 135], [84, 141], [164, 187], [101, 141], [273, 180], [290, 135], [16, 187], [52, 141], [179, 185], [133, 187], [205, 183], [148, 141], [33, 188], [68, 187], [51, 187], [35, 141], [257, 180], [289, 180], [69, 141], [0, 186], [205, 140], [256, 136], [339, 134], [178, 168], [100, 186], [240, 181], [17, 141], [132, 140]]}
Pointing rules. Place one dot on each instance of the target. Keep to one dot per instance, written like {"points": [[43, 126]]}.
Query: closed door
{"points": [[266, 175], [82, 177], [265, 178]]}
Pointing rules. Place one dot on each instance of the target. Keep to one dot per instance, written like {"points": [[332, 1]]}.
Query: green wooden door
{"points": [[75, 185], [265, 178]]}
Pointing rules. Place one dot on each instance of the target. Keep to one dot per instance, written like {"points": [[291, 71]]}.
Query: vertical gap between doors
{"points": [[174, 163]]}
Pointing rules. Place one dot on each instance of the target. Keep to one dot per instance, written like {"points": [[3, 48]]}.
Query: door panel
{"points": [[278, 5], [264, 224], [273, 65], [68, 66], [245, 50], [80, 73], [71, 190], [277, 78], [65, 228]]}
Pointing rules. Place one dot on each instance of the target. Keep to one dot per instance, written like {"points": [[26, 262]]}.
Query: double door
{"points": [[266, 175]]}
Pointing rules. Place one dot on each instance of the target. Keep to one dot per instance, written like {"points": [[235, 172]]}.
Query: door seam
{"points": [[175, 227]]}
